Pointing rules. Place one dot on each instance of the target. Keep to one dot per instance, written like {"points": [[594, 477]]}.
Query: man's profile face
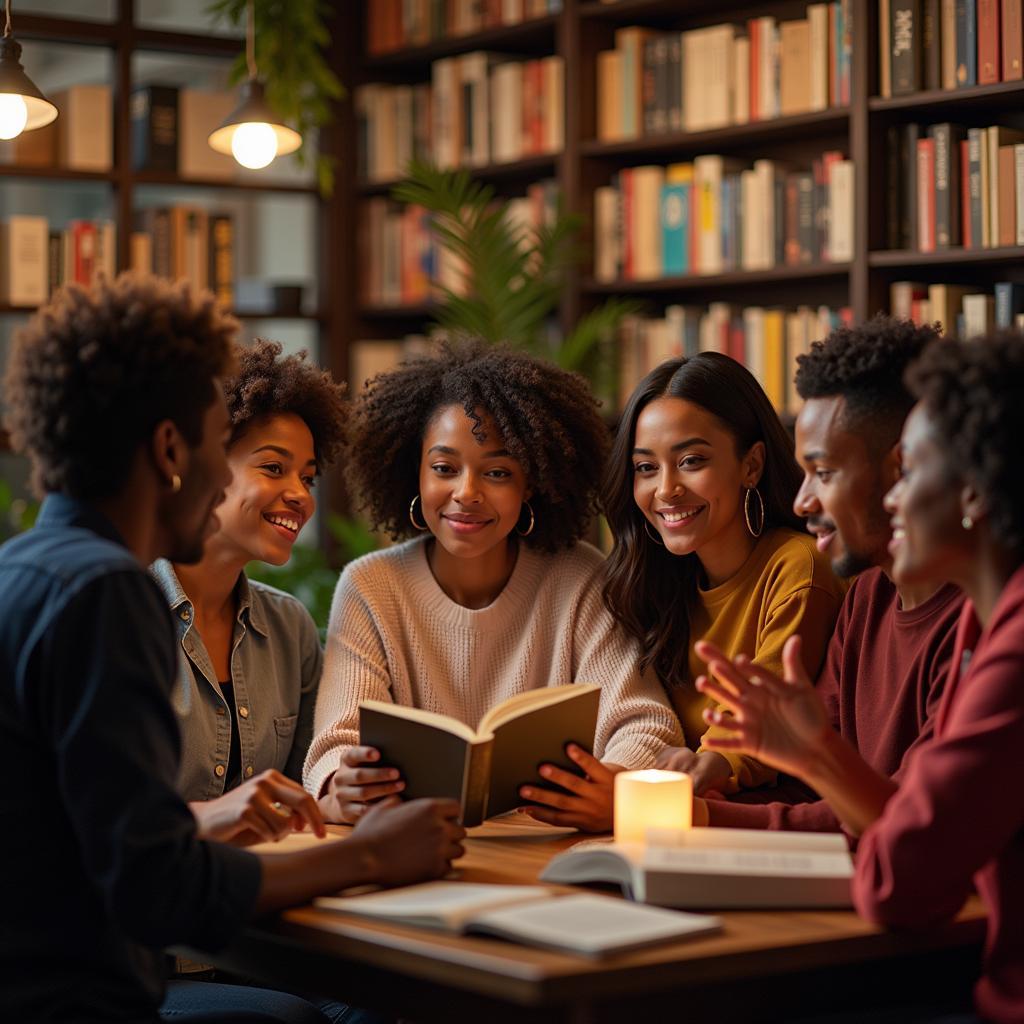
{"points": [[843, 487], [192, 513]]}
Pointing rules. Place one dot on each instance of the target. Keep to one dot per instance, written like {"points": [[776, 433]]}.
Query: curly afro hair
{"points": [[547, 417], [865, 366], [972, 391], [266, 385], [94, 371]]}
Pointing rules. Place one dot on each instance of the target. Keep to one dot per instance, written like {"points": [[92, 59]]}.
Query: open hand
{"points": [[588, 804], [261, 809], [410, 842], [357, 784], [779, 721]]}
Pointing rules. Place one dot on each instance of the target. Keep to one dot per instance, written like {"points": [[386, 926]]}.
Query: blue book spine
{"points": [[1009, 302], [966, 43], [675, 228]]}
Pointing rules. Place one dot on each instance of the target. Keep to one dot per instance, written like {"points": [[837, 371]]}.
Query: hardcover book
{"points": [[483, 768]]}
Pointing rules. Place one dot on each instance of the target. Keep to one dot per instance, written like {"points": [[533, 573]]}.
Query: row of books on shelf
{"points": [[402, 262], [717, 214], [654, 82], [964, 311], [395, 24], [948, 44], [81, 139], [177, 242], [765, 340], [478, 109], [955, 186]]}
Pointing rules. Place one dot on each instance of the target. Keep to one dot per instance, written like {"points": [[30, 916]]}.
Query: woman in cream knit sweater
{"points": [[489, 460]]}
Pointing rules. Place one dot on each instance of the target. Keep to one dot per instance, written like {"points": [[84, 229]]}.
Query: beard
{"points": [[850, 563]]}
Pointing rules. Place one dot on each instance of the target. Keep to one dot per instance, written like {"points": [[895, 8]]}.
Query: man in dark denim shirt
{"points": [[115, 396]]}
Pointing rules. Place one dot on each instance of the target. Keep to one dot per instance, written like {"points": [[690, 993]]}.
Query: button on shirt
{"points": [[110, 870], [276, 660]]}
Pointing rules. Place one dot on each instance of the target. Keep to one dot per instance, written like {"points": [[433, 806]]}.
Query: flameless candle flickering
{"points": [[651, 799]]}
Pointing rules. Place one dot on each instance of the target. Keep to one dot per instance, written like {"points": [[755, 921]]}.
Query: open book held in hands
{"points": [[482, 768], [532, 915], [717, 868]]}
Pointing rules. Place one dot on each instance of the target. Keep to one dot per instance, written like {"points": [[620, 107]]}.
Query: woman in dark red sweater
{"points": [[956, 819]]}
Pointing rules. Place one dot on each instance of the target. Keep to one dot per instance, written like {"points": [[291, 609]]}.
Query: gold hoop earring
{"points": [[746, 512], [529, 529], [412, 515], [175, 483], [652, 534]]}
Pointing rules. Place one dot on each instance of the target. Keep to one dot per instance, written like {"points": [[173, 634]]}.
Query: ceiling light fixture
{"points": [[252, 133], [22, 106]]}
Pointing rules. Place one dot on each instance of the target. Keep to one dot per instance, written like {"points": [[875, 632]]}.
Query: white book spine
{"points": [[741, 79], [817, 16], [606, 216], [554, 104], [841, 212], [992, 138], [26, 260]]}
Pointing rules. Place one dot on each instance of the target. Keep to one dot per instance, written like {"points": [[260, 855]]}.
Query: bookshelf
{"points": [[583, 29], [134, 45]]}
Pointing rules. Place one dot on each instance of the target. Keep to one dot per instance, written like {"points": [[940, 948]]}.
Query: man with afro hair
{"points": [[889, 656]]}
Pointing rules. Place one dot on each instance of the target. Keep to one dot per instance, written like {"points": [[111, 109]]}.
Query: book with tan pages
{"points": [[529, 914], [482, 768], [716, 868]]}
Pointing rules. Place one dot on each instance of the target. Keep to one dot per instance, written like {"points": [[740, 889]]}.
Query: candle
{"points": [[651, 799]]}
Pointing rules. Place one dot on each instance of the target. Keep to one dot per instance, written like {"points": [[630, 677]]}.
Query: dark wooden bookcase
{"points": [[585, 27]]}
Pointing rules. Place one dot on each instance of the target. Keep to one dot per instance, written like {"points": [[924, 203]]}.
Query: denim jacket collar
{"points": [[248, 610]]}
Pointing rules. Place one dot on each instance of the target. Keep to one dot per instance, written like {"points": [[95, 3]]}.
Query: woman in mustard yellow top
{"points": [[699, 497]]}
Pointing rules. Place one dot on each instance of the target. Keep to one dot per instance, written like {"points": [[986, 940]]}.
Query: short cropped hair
{"points": [[972, 390], [865, 366], [547, 417], [267, 385], [94, 371]]}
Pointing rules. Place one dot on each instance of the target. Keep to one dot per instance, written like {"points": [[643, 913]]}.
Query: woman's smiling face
{"points": [[688, 481], [471, 494]]}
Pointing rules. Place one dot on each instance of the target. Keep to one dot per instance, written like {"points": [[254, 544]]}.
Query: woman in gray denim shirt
{"points": [[251, 655]]}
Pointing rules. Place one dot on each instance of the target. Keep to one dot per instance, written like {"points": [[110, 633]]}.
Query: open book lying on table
{"points": [[482, 768], [535, 916], [717, 868]]}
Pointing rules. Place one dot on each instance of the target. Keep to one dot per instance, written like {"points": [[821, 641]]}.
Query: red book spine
{"points": [[737, 342], [965, 196], [989, 59], [1013, 42], [626, 184], [926, 195]]}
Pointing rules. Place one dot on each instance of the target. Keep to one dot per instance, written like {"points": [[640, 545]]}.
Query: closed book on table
{"points": [[154, 110], [482, 769]]}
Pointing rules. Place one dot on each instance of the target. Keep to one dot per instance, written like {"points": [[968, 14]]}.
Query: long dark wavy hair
{"points": [[647, 588]]}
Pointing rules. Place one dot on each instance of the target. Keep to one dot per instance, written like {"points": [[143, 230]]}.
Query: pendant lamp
{"points": [[22, 106], [252, 133]]}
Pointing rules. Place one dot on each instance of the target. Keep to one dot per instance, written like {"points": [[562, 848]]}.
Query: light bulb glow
{"points": [[13, 115], [254, 144]]}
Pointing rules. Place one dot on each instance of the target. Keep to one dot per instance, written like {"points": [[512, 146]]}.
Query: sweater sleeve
{"points": [[355, 669], [312, 669], [635, 721], [815, 816], [953, 798], [810, 612]]}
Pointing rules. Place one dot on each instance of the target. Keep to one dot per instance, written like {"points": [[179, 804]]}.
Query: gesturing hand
{"points": [[779, 721], [356, 784], [587, 805], [411, 842], [262, 809]]}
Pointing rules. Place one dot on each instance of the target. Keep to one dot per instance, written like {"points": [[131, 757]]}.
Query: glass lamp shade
{"points": [[254, 110], [14, 82]]}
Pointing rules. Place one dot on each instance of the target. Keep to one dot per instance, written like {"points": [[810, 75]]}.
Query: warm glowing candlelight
{"points": [[651, 799]]}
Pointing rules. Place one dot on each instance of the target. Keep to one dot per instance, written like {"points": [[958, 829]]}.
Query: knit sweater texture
{"points": [[394, 635]]}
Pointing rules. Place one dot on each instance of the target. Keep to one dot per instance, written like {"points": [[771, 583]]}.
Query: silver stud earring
{"points": [[967, 523]]}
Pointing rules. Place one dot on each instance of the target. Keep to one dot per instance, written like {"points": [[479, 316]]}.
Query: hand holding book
{"points": [[357, 784], [587, 801]]}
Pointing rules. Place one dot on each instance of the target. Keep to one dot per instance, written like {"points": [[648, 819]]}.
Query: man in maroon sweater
{"points": [[889, 655]]}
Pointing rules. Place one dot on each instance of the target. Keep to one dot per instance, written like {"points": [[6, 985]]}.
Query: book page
{"points": [[748, 862], [591, 924], [749, 839], [528, 701], [432, 718], [434, 904]]}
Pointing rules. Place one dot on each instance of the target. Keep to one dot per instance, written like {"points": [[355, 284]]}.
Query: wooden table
{"points": [[762, 966]]}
